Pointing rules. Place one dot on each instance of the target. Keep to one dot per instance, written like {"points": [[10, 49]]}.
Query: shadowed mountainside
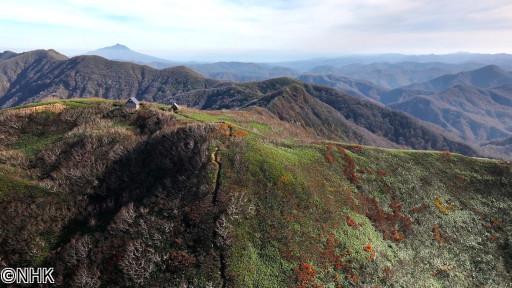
{"points": [[326, 110], [38, 75], [43, 75], [152, 198]]}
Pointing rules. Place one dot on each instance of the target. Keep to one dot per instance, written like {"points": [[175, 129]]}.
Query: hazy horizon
{"points": [[251, 30], [257, 58]]}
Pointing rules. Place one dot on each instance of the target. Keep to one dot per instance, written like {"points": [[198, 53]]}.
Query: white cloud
{"points": [[297, 27]]}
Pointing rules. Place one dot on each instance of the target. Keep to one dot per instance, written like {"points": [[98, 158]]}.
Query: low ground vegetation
{"points": [[152, 198]]}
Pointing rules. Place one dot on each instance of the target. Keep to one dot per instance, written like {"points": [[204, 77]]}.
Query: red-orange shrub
{"points": [[397, 236], [350, 166], [225, 129], [330, 256], [438, 236], [240, 133], [394, 226], [305, 274], [369, 248], [329, 156], [419, 208], [351, 222]]}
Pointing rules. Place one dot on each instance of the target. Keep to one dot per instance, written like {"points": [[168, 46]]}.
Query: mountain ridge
{"points": [[474, 105], [121, 52], [94, 76], [157, 198]]}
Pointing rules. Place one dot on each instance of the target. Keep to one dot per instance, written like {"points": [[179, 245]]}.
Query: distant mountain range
{"points": [[388, 70], [242, 72], [394, 75], [504, 60], [41, 74], [475, 105], [358, 88], [38, 75], [469, 106], [120, 52]]}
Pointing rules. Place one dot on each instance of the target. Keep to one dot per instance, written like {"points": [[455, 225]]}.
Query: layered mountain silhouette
{"points": [[121, 52], [486, 77], [6, 55], [463, 58], [359, 88], [474, 105], [242, 72], [394, 75], [38, 75]]}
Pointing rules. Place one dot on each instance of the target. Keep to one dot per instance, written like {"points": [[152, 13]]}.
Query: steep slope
{"points": [[396, 127], [49, 76], [6, 55], [206, 199], [25, 66], [328, 112], [86, 76], [502, 147], [293, 104]]}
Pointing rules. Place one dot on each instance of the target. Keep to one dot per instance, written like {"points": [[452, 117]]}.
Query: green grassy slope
{"points": [[431, 219], [241, 199]]}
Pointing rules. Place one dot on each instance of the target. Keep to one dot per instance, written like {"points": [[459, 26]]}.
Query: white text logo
{"points": [[27, 275]]}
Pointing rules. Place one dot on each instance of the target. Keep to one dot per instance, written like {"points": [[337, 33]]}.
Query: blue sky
{"points": [[258, 29]]}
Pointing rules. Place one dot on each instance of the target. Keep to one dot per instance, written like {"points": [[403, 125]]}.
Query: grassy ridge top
{"points": [[241, 199]]}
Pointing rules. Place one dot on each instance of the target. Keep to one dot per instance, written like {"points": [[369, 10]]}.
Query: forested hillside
{"points": [[154, 198]]}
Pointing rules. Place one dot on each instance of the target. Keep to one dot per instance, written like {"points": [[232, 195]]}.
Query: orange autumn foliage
{"points": [[388, 223], [351, 222], [369, 248], [240, 133], [225, 129], [305, 274], [330, 256], [437, 235], [397, 236], [329, 156], [350, 166]]}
